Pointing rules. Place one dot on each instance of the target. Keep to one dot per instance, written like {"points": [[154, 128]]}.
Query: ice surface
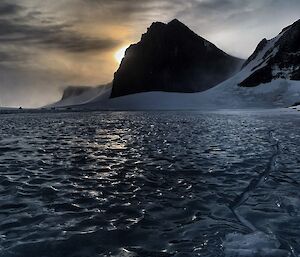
{"points": [[257, 244], [161, 180]]}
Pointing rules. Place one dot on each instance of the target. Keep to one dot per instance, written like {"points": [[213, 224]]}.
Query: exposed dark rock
{"points": [[281, 60], [172, 58], [263, 75], [296, 104]]}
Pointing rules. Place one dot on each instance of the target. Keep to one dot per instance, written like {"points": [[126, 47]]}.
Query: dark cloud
{"points": [[9, 8], [77, 43], [34, 29], [37, 30], [11, 57], [52, 36]]}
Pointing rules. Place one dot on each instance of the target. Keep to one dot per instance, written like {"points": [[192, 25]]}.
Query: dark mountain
{"points": [[172, 58], [275, 58]]}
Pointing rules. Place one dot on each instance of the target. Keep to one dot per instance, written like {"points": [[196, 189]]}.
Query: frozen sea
{"points": [[211, 184]]}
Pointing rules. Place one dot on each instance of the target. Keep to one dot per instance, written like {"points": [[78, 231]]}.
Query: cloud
{"points": [[56, 27], [78, 43], [51, 36], [9, 8], [11, 57]]}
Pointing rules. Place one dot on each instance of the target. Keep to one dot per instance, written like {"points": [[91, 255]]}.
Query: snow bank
{"points": [[278, 93], [228, 95]]}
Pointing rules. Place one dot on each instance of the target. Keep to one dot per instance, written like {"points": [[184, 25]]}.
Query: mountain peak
{"points": [[175, 22], [172, 58], [157, 24], [160, 26]]}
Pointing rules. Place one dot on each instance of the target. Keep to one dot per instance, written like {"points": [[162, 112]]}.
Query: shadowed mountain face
{"points": [[172, 58], [275, 58]]}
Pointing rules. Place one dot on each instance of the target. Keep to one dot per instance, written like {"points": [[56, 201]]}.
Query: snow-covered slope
{"points": [[79, 96], [279, 93], [278, 58]]}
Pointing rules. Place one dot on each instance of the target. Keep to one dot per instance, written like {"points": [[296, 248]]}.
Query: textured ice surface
{"points": [[256, 244], [146, 183]]}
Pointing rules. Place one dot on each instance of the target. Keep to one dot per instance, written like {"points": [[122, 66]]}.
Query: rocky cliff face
{"points": [[278, 58], [172, 58]]}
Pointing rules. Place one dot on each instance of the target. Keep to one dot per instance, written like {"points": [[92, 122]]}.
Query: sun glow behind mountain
{"points": [[119, 55]]}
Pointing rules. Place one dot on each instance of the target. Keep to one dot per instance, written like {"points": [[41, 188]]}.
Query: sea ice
{"points": [[257, 244]]}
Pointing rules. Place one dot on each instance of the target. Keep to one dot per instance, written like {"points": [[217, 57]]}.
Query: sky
{"points": [[47, 45]]}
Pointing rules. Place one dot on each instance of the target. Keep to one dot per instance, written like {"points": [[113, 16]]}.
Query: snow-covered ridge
{"points": [[277, 58], [269, 50]]}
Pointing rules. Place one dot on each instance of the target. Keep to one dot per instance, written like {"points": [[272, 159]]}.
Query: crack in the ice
{"points": [[255, 183], [257, 242]]}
